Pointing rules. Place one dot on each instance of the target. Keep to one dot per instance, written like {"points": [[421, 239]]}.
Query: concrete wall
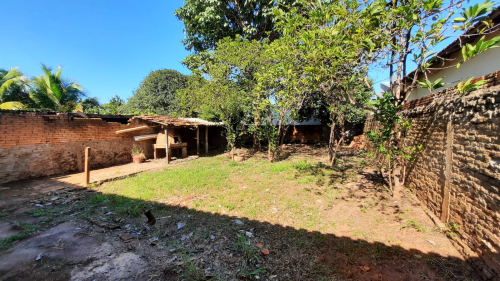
{"points": [[457, 175], [34, 144]]}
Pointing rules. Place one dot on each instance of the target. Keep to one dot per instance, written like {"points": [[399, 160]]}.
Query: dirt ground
{"points": [[351, 228]]}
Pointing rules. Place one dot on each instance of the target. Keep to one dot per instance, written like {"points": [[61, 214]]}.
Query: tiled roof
{"points": [[176, 121]]}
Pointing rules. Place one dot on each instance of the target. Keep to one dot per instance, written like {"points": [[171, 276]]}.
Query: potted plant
{"points": [[138, 154]]}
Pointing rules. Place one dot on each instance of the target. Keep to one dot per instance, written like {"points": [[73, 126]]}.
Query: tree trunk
{"points": [[232, 151], [341, 140], [256, 141], [270, 153], [397, 182], [331, 141]]}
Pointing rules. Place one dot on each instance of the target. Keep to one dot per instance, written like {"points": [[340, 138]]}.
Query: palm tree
{"points": [[51, 91], [13, 93]]}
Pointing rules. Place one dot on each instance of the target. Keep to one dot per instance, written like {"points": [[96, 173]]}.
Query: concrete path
{"points": [[18, 191]]}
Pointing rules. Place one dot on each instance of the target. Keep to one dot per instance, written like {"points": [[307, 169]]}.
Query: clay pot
{"points": [[138, 159], [239, 158]]}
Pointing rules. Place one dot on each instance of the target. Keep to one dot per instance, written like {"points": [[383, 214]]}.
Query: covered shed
{"points": [[184, 134]]}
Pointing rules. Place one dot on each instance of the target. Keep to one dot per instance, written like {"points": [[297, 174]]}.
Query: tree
{"points": [[340, 41], [13, 94], [282, 92], [51, 91], [90, 105], [156, 94], [112, 107], [228, 94], [330, 56], [206, 22]]}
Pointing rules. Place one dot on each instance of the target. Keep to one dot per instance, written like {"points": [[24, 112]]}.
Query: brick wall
{"points": [[34, 144], [458, 173]]}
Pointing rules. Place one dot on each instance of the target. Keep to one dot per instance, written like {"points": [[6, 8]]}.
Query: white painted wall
{"points": [[483, 64], [480, 65]]}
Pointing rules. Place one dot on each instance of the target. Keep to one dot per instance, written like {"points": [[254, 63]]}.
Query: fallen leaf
{"points": [[259, 245], [364, 268], [265, 251]]}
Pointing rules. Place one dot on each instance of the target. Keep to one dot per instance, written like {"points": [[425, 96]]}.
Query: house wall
{"points": [[480, 65], [34, 144], [457, 176]]}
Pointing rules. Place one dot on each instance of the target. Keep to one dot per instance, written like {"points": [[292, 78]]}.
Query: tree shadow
{"points": [[189, 244]]}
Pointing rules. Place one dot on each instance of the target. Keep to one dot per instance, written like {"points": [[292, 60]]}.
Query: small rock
{"points": [[249, 234], [172, 259], [265, 251], [180, 225], [364, 268], [54, 198], [39, 205], [127, 238], [172, 250], [39, 257], [238, 222], [259, 245], [212, 237]]}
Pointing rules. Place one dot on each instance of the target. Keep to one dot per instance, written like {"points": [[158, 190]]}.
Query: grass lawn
{"points": [[290, 193]]}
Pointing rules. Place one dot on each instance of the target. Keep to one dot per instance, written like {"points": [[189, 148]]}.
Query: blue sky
{"points": [[107, 46]]}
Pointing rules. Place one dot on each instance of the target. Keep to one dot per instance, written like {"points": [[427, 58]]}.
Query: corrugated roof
{"points": [[176, 121]]}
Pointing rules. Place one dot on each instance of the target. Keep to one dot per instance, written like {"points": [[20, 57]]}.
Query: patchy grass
{"points": [[318, 222], [414, 224], [26, 230]]}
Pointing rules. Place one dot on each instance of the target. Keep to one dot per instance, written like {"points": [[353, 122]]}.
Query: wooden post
{"points": [[206, 140], [167, 148], [87, 166], [198, 140]]}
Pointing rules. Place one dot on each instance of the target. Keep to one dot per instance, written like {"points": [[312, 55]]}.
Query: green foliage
{"points": [[469, 51], [90, 105], [138, 151], [155, 95], [303, 166], [426, 84], [246, 250], [14, 94], [473, 14], [206, 22], [27, 230], [414, 224], [12, 84], [12, 105], [227, 93], [50, 91], [112, 107], [389, 139], [468, 86]]}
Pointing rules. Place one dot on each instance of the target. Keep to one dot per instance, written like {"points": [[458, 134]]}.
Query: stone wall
{"points": [[34, 144], [458, 173]]}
